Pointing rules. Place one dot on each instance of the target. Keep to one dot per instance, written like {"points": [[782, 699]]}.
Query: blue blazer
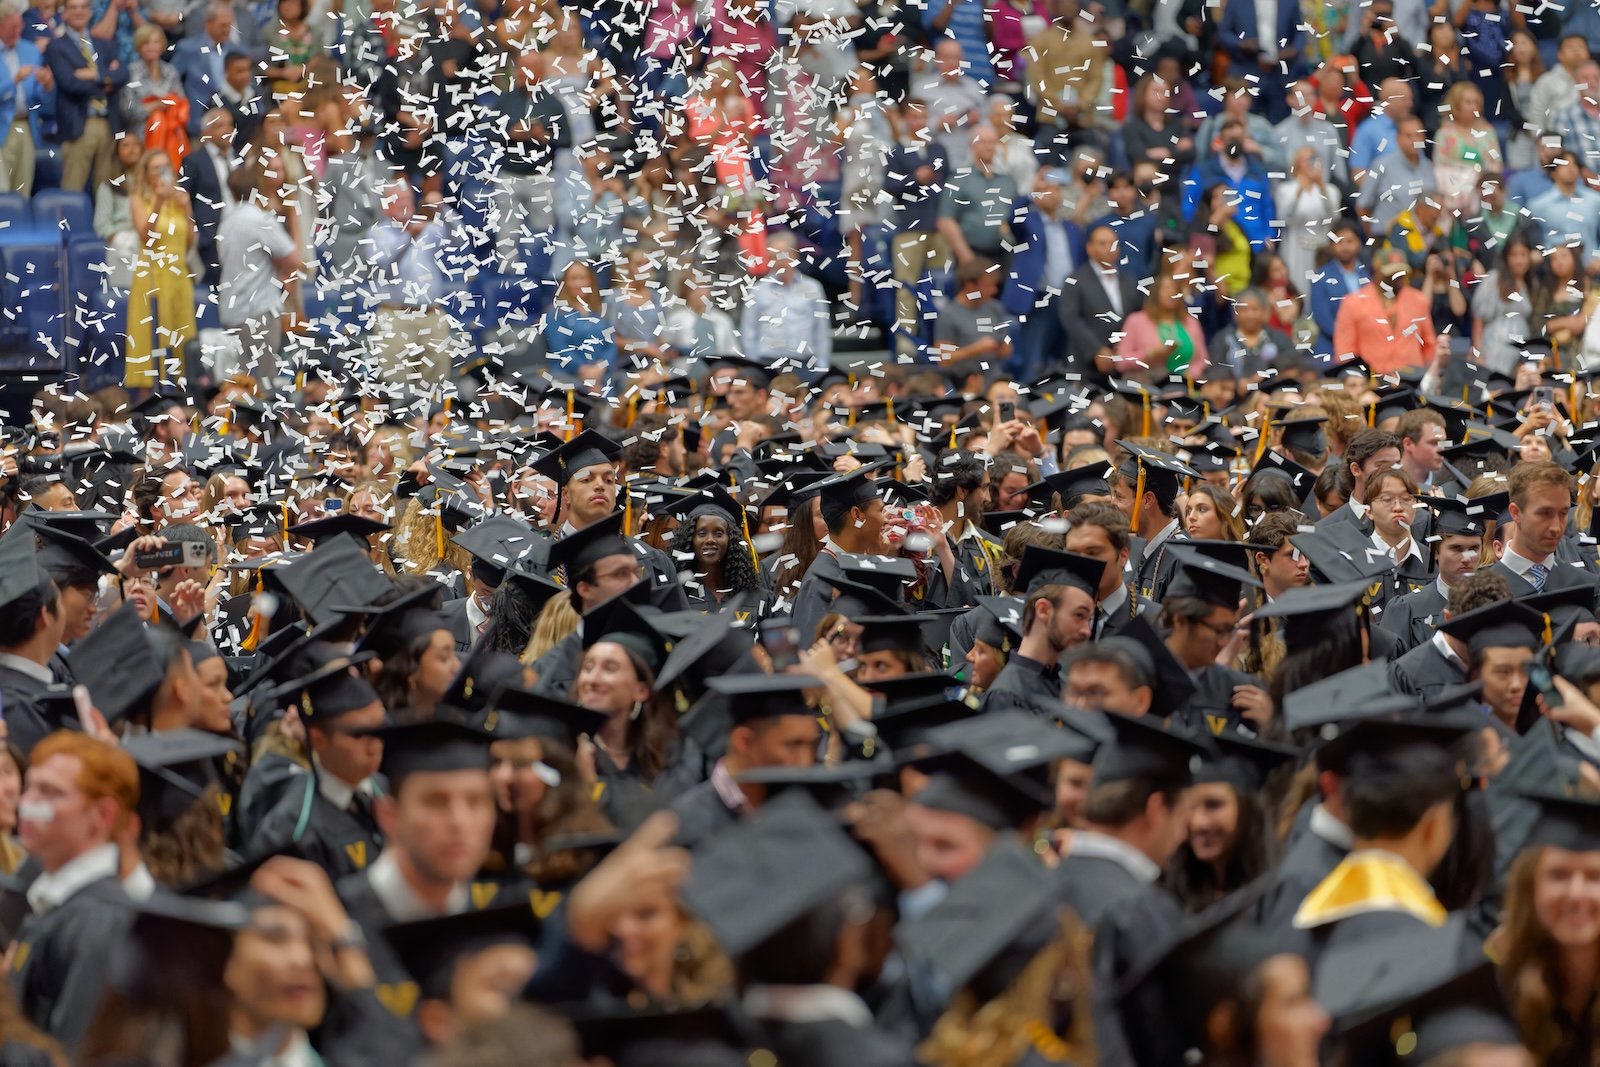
{"points": [[74, 93], [1239, 23], [1026, 279], [34, 97], [1327, 290], [192, 64]]}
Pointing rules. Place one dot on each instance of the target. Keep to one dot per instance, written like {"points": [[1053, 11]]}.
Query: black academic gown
{"points": [[1413, 617], [340, 842], [1425, 671], [25, 726], [833, 1043], [396, 989], [455, 612], [59, 970], [628, 800], [702, 815], [814, 598], [1156, 567], [61, 668], [1308, 860], [1565, 574], [270, 777], [1210, 710], [1024, 684], [1109, 624], [557, 669]]}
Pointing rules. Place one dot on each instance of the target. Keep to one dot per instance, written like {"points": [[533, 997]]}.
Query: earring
{"points": [[638, 709]]}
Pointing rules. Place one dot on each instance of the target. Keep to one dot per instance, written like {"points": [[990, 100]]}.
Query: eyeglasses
{"points": [[1392, 500], [1222, 632]]}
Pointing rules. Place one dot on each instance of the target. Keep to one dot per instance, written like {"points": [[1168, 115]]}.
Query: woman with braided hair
{"points": [[710, 540]]}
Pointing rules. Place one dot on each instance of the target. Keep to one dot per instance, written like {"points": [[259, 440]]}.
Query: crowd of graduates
{"points": [[899, 718]]}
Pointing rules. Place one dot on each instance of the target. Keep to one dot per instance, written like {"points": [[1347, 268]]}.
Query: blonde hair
{"points": [[556, 620], [998, 1033], [146, 32], [416, 542]]}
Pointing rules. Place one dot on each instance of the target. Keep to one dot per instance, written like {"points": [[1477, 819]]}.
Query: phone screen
{"points": [[782, 643]]}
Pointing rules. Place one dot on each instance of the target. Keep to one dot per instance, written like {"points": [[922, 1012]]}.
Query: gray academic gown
{"points": [[815, 596], [1425, 671], [1024, 684], [1413, 618]]}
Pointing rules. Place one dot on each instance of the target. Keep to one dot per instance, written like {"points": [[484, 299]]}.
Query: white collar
{"points": [[1103, 846], [1443, 645], [1358, 507], [476, 617], [1326, 825], [1520, 565], [297, 1053], [1444, 590], [140, 885], [1116, 601], [397, 898], [337, 792], [53, 889], [1166, 531], [1412, 550], [26, 666], [807, 1004]]}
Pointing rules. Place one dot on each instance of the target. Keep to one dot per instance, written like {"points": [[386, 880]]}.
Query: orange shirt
{"points": [[1389, 339]]}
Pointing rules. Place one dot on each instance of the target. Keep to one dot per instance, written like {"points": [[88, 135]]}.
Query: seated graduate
{"points": [[470, 967], [182, 797], [1057, 614]]}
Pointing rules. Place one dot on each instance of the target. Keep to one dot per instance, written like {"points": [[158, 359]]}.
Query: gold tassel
{"points": [[1372, 415], [744, 521], [633, 408], [888, 402], [1138, 500], [569, 414], [953, 436], [627, 512], [1549, 637], [1144, 401], [438, 529], [1261, 442], [285, 524]]}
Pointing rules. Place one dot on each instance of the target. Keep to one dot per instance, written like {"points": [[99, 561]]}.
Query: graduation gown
{"points": [[455, 612], [815, 596], [1157, 566], [1210, 709], [628, 800], [702, 815], [558, 668], [1024, 685], [1307, 862], [1413, 617], [1564, 575], [1370, 896], [832, 1042], [341, 842], [272, 775], [1109, 624], [59, 967], [1425, 671], [61, 668], [18, 696]]}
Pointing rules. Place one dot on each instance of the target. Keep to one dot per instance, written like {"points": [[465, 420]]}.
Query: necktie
{"points": [[1536, 577], [97, 104]]}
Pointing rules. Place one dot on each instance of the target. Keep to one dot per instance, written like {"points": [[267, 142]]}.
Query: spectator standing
{"points": [[412, 252], [1570, 211], [258, 259], [695, 327], [1155, 131], [243, 95], [87, 75], [1011, 24], [787, 316], [742, 33], [532, 127], [1388, 323], [1260, 136], [292, 43], [116, 21], [1014, 154], [1068, 68], [588, 210], [975, 208], [1308, 206], [152, 84], [1162, 339], [161, 300], [42, 22], [204, 177], [974, 325], [1578, 124], [24, 86], [1397, 177], [201, 61], [1520, 74], [914, 178], [966, 22], [1134, 222], [1342, 274], [1378, 133], [1380, 51], [576, 333], [1502, 309], [1557, 88], [1250, 347], [113, 214], [1097, 299], [1243, 174], [955, 101], [636, 316], [1466, 148], [1263, 39], [866, 140], [1304, 128], [353, 183]]}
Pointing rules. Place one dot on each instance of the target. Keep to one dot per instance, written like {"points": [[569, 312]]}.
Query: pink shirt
{"points": [[670, 23]]}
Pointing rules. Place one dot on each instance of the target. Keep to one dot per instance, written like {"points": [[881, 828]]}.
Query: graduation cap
{"points": [[1171, 684], [832, 787], [997, 621], [498, 543], [1042, 566], [762, 874], [430, 949], [795, 491], [124, 662], [515, 713], [587, 449], [1145, 749], [845, 491], [999, 523], [21, 574], [1244, 763], [176, 947], [336, 578], [1458, 516], [1504, 624], [1350, 695], [455, 504], [858, 598], [995, 768], [1332, 563], [175, 768], [356, 526], [1154, 472], [619, 622], [889, 575], [1304, 433], [325, 684], [403, 620], [582, 549], [1007, 900], [754, 372], [626, 1036], [1203, 573], [711, 646], [1075, 485], [762, 696], [483, 672], [430, 746], [899, 632], [915, 704], [257, 520], [1310, 612], [63, 554], [86, 525], [1304, 482]]}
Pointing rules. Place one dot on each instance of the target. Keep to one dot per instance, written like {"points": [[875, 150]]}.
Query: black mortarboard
{"points": [[1334, 563], [995, 768], [1349, 695], [339, 523], [1005, 898], [898, 633], [20, 572], [516, 713], [1203, 574], [403, 620], [1304, 433], [175, 767], [434, 745], [997, 621], [761, 874], [889, 575], [325, 685], [123, 662], [1076, 484], [797, 489], [149, 971], [1042, 566], [761, 696], [619, 622], [336, 578], [1569, 821], [832, 787], [858, 598], [1505, 624], [483, 672], [88, 525], [1304, 482], [429, 949], [500, 542], [1454, 516], [1171, 684], [710, 646], [61, 553], [1244, 763], [913, 705], [454, 501], [1310, 612], [582, 549], [588, 449], [712, 499], [1145, 749], [757, 374], [630, 1038], [845, 491]]}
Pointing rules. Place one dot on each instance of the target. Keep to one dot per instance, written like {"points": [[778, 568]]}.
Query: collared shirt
{"points": [[788, 319], [1103, 846], [219, 163], [1111, 282], [248, 241], [33, 670], [54, 888], [1413, 551], [12, 62], [336, 792], [1444, 590], [1057, 255], [722, 781], [295, 1053], [140, 885], [1114, 603], [477, 618], [1392, 185], [1579, 131], [410, 271], [807, 1004], [1267, 29], [1520, 566], [1326, 825], [398, 899], [1442, 643], [1166, 531], [1375, 137], [1568, 218]]}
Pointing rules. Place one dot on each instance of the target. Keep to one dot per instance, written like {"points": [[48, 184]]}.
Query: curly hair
{"points": [[415, 547], [568, 808], [511, 618], [192, 847], [738, 566], [999, 1032]]}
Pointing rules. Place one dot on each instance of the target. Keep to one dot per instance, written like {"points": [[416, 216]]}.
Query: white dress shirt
{"points": [[1111, 282], [1520, 565], [1326, 825], [336, 792], [398, 899], [1087, 843], [33, 670], [807, 1004], [54, 888]]}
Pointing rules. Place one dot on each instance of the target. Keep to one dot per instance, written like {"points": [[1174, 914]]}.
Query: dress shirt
{"points": [[1520, 566], [1326, 825], [54, 888], [337, 792], [1111, 282], [807, 1004], [397, 898], [1443, 645], [1102, 846], [1413, 551], [409, 271], [33, 670]]}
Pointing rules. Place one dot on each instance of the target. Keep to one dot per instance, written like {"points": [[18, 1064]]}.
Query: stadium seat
{"points": [[46, 167], [15, 212], [32, 310], [70, 211]]}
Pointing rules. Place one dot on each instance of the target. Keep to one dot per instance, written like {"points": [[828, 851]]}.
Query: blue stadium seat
{"points": [[206, 308], [70, 211], [46, 166], [15, 212], [90, 321], [32, 311]]}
